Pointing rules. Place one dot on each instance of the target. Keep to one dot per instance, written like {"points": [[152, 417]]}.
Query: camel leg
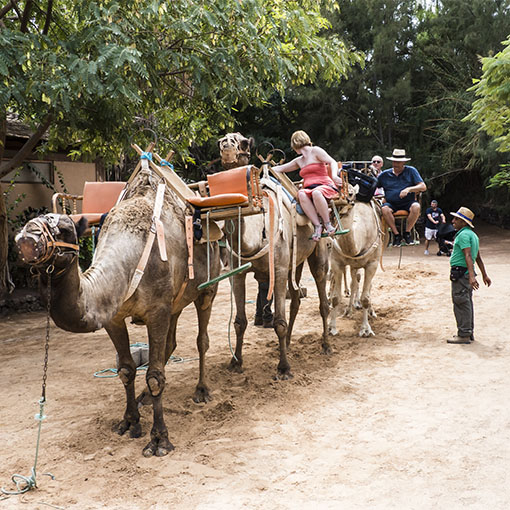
{"points": [[145, 398], [127, 373], [279, 322], [370, 270], [240, 322], [295, 301], [318, 262], [356, 274], [203, 305], [335, 295], [354, 297], [347, 290], [158, 329]]}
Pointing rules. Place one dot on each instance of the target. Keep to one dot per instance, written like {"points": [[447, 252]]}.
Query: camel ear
{"points": [[252, 142], [81, 226]]}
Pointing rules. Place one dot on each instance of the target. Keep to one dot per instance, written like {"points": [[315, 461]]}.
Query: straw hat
{"points": [[398, 155], [465, 214]]}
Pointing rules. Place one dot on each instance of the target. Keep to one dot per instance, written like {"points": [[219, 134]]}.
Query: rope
{"points": [[164, 162], [229, 229], [30, 481], [113, 372]]}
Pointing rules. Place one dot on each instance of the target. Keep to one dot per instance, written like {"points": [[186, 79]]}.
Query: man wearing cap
{"points": [[400, 184], [462, 274]]}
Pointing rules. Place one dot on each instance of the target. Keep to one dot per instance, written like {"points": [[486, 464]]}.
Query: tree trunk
{"points": [[6, 284]]}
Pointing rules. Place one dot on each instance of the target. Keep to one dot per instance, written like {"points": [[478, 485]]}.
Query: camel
{"points": [[360, 248], [84, 302], [254, 244]]}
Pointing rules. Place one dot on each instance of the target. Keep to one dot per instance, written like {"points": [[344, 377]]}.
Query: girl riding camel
{"points": [[320, 181]]}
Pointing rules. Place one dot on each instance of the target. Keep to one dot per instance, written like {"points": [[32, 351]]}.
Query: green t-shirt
{"points": [[465, 238]]}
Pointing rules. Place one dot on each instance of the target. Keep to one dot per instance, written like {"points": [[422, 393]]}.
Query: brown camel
{"points": [[255, 232], [361, 248], [83, 302]]}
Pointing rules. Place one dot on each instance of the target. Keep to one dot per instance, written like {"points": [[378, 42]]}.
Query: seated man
{"points": [[400, 184]]}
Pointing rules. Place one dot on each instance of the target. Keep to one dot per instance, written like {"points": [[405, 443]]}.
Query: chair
{"points": [[97, 199], [400, 221], [228, 191]]}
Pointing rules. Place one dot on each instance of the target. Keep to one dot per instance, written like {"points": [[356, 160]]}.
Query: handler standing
{"points": [[466, 250]]}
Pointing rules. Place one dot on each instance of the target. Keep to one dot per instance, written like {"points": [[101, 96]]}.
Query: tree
{"points": [[85, 72], [491, 111]]}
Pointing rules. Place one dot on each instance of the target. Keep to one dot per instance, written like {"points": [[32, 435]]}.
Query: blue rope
{"points": [[30, 481], [115, 372], [164, 162], [146, 155]]}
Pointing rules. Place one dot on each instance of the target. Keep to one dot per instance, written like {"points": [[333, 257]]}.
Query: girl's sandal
{"points": [[316, 236], [330, 229]]}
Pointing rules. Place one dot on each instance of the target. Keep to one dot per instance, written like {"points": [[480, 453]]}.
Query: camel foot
{"points": [[366, 331], [280, 376], [326, 349], [348, 313], [235, 366], [372, 314], [283, 373], [202, 395], [333, 331], [135, 429], [158, 448]]}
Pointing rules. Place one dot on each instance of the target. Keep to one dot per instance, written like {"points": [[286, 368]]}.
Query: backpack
{"points": [[367, 184]]}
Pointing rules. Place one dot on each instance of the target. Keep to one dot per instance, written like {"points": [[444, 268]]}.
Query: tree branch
{"points": [[48, 18], [6, 9], [27, 148], [26, 16]]}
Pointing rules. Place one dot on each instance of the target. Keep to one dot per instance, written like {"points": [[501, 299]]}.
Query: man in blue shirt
{"points": [[400, 184]]}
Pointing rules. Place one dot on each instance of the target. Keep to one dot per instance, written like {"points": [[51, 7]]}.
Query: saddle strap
{"points": [[271, 247], [140, 268], [295, 286], [189, 244]]}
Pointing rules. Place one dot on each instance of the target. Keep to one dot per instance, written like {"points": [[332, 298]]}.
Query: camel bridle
{"points": [[46, 247]]}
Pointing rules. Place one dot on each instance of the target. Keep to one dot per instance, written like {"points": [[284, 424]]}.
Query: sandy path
{"points": [[402, 420]]}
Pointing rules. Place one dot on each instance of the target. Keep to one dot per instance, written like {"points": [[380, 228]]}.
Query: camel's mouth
{"points": [[38, 243], [28, 248]]}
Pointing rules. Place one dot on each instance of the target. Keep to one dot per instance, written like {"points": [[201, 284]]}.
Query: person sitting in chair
{"points": [[320, 181], [400, 184]]}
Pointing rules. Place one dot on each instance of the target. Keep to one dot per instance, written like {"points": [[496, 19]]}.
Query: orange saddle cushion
{"points": [[223, 200], [401, 213]]}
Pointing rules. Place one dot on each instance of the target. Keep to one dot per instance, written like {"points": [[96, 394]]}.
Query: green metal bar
{"points": [[337, 216], [235, 271]]}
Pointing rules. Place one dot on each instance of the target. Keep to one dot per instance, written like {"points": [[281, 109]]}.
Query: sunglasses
{"points": [[376, 161]]}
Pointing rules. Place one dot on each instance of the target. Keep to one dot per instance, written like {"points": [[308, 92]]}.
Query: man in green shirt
{"points": [[466, 250]]}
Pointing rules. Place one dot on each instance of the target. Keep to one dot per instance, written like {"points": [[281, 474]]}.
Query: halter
{"points": [[51, 247]]}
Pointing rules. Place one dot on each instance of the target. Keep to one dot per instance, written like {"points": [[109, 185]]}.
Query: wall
{"points": [[38, 195]]}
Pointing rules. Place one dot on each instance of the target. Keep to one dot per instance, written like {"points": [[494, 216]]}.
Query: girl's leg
{"points": [[309, 210], [308, 207], [321, 205]]}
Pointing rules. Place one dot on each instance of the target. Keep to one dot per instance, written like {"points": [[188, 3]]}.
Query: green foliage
{"points": [[179, 68], [491, 111]]}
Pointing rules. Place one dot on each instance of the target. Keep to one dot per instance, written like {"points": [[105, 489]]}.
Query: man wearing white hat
{"points": [[400, 184], [466, 250]]}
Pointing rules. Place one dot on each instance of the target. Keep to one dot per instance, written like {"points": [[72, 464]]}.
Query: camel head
{"points": [[235, 150], [51, 239]]}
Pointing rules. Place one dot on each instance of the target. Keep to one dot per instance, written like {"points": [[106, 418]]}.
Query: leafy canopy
{"points": [[181, 67]]}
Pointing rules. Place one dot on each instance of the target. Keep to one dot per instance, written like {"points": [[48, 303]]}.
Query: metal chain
{"points": [[49, 271]]}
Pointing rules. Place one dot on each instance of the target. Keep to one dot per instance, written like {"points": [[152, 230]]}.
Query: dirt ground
{"points": [[399, 420]]}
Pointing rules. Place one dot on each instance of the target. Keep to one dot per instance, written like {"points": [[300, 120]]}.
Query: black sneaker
{"points": [[407, 238], [258, 321], [397, 240]]}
